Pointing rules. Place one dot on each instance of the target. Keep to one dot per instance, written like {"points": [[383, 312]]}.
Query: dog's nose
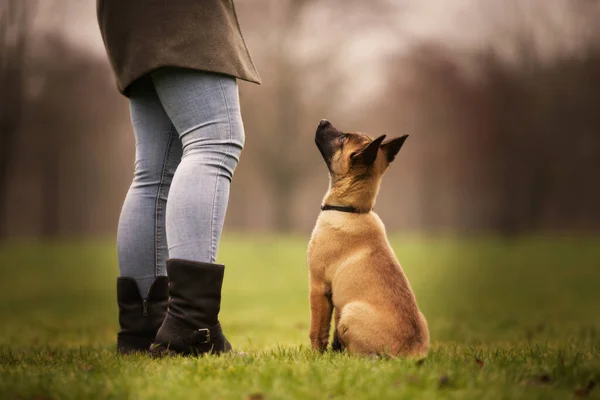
{"points": [[324, 123]]}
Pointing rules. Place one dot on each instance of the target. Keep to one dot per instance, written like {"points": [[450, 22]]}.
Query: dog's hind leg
{"points": [[360, 329], [366, 331], [353, 327]]}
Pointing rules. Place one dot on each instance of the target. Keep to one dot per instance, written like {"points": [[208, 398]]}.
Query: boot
{"points": [[191, 326], [140, 319]]}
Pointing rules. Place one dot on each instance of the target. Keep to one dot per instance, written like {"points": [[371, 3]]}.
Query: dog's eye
{"points": [[343, 138]]}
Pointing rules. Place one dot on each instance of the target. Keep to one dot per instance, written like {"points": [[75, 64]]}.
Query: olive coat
{"points": [[144, 35]]}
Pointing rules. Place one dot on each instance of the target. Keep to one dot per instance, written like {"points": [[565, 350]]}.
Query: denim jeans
{"points": [[189, 136]]}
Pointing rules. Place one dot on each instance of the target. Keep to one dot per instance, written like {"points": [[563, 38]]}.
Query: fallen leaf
{"points": [[479, 362], [443, 381], [530, 333], [300, 325], [410, 379], [544, 379], [255, 396], [85, 367], [584, 392], [41, 397]]}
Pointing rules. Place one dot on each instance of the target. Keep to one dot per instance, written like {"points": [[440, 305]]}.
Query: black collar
{"points": [[348, 209]]}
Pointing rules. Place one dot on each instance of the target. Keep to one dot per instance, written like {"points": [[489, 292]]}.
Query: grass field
{"points": [[513, 319]]}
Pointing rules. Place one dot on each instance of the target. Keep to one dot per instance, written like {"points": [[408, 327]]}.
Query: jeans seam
{"points": [[156, 207], [221, 164]]}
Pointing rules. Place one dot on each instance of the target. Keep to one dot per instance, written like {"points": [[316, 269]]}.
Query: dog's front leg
{"points": [[320, 315]]}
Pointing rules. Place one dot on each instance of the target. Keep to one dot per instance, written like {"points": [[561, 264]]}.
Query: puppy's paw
{"points": [[318, 345]]}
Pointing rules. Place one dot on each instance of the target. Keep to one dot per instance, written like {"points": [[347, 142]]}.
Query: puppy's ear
{"points": [[368, 154], [392, 147]]}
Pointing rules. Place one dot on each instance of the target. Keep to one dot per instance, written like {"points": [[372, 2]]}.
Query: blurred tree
{"points": [[504, 128], [15, 24], [508, 132], [279, 157], [74, 153], [544, 93], [301, 60]]}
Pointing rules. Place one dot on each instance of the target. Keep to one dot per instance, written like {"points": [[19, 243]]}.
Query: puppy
{"points": [[353, 271]]}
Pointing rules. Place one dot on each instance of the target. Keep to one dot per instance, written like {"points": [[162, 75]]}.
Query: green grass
{"points": [[528, 309]]}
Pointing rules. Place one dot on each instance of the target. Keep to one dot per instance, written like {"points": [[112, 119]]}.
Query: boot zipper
{"points": [[145, 305]]}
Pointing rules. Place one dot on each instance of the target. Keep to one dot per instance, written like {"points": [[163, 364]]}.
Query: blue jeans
{"points": [[189, 136]]}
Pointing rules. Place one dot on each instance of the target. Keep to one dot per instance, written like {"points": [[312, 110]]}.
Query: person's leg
{"points": [[205, 109], [142, 287], [141, 238]]}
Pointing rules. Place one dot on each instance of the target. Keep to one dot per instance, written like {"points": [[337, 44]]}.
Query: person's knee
{"points": [[152, 173], [218, 146], [145, 174]]}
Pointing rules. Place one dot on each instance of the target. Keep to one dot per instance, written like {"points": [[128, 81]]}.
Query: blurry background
{"points": [[492, 205], [500, 100]]}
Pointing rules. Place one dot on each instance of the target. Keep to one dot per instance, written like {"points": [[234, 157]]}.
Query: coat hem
{"points": [[124, 88]]}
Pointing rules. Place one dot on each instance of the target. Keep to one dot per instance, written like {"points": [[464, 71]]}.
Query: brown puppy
{"points": [[352, 266]]}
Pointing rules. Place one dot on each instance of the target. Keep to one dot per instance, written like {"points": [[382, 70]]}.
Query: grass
{"points": [[512, 319]]}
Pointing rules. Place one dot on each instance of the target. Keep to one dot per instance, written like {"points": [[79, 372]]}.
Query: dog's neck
{"points": [[352, 196], [348, 209]]}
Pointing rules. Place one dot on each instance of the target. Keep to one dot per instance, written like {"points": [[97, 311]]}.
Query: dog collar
{"points": [[348, 209]]}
